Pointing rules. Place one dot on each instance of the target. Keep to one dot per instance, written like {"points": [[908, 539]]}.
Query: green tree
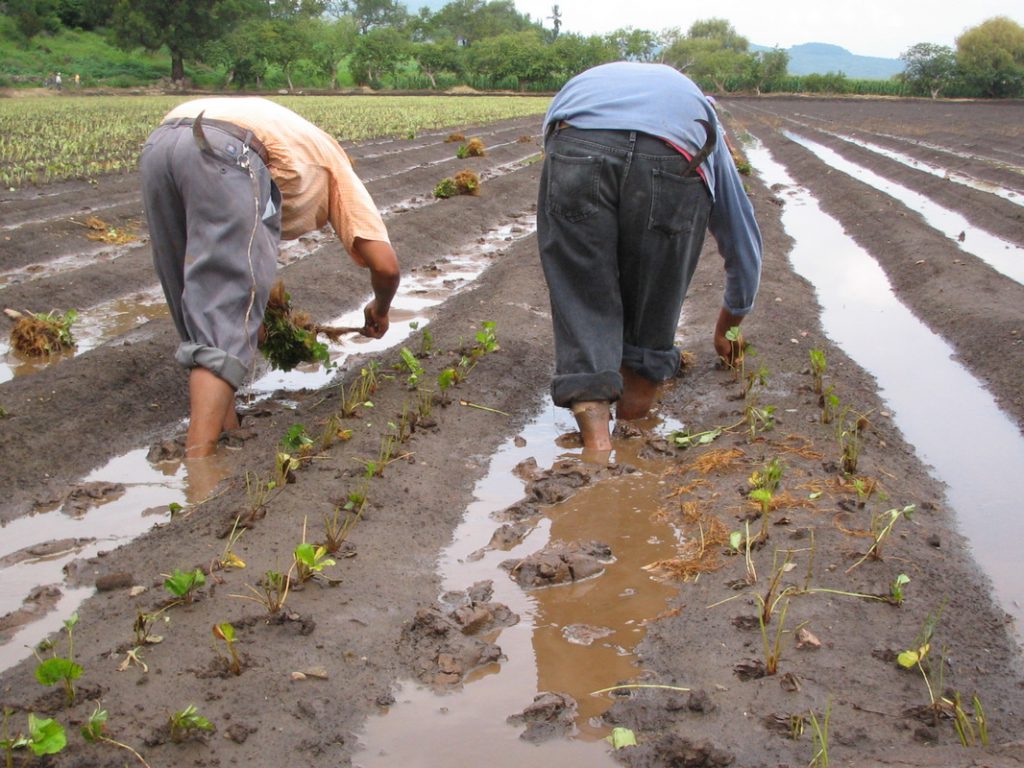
{"points": [[184, 26], [570, 54], [85, 14], [371, 14], [32, 16], [522, 55], [712, 51], [635, 44], [332, 41], [241, 52], [469, 21], [929, 68], [378, 54], [766, 69], [991, 56], [436, 57]]}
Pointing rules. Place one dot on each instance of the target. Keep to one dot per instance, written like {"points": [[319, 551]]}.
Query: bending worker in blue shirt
{"points": [[635, 172]]}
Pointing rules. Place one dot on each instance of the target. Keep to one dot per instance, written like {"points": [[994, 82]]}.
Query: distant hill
{"points": [[822, 58]]}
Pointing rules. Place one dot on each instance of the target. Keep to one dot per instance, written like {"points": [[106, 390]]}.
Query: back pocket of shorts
{"points": [[573, 186], [679, 204]]}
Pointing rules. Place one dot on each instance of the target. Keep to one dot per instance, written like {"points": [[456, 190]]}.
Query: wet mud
{"points": [[340, 650]]}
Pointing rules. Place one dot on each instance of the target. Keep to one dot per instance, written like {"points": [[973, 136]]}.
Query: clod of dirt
{"points": [[750, 669], [438, 651], [585, 634], [239, 732], [44, 549], [509, 535], [559, 563], [806, 640], [550, 486], [672, 751], [84, 497], [551, 715], [39, 602]]}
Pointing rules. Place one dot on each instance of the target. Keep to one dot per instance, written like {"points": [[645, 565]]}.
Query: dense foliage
{"points": [[484, 44]]}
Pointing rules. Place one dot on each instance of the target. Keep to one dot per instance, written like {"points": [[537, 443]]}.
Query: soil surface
{"points": [[313, 672]]}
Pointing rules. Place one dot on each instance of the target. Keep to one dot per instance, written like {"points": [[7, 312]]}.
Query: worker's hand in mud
{"points": [[376, 324], [728, 351]]}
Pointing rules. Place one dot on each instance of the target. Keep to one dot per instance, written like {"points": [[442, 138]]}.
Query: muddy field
{"points": [[319, 677]]}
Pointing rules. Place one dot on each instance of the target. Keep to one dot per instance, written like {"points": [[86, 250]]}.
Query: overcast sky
{"points": [[867, 27]]}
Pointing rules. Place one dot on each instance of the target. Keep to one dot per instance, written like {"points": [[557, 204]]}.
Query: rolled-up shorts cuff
{"points": [[654, 364], [217, 361], [571, 388]]}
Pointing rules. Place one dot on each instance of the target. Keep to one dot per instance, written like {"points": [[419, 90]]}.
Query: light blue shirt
{"points": [[660, 101]]}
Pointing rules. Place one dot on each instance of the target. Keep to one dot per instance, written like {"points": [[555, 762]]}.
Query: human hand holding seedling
{"points": [[728, 340]]}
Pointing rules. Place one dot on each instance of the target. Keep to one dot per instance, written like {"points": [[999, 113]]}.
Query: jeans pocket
{"points": [[573, 184], [679, 204]]}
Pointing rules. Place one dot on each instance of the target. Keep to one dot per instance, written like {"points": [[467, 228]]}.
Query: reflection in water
{"points": [[932, 396], [434, 731]]}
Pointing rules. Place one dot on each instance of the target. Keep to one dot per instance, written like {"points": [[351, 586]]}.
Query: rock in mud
{"points": [[551, 715], [509, 535], [672, 751], [560, 563]]}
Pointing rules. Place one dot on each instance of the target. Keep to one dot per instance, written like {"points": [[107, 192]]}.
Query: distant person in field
{"points": [[634, 175], [57, 81], [223, 181], [78, 80]]}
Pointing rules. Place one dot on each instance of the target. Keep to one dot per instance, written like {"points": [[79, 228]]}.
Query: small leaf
{"points": [[735, 539], [908, 659], [55, 670], [622, 737], [48, 737]]}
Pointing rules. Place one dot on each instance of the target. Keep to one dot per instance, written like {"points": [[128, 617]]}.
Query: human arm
{"points": [[379, 257]]}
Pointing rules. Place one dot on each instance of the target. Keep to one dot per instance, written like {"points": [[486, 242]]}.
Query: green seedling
{"points": [[187, 722], [896, 589], [447, 379], [764, 483], [738, 542], [358, 393], [183, 584], [273, 590], [759, 418], [758, 377], [865, 487], [426, 339], [310, 560], [486, 339], [45, 737], [226, 633], [682, 439], [446, 188], [412, 364], [773, 648], [915, 657], [818, 368], [60, 669], [424, 402], [769, 600], [257, 494], [339, 523], [228, 558], [969, 733], [94, 731], [882, 524], [851, 439], [297, 440], [285, 466], [38, 334], [737, 353], [820, 759], [829, 405]]}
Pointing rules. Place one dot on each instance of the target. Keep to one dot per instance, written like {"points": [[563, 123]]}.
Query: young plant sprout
{"points": [[45, 737], [881, 526], [818, 367], [297, 440], [820, 759], [310, 560], [226, 633], [183, 584], [412, 364], [339, 523], [186, 722], [60, 669], [896, 589], [94, 731], [829, 402]]}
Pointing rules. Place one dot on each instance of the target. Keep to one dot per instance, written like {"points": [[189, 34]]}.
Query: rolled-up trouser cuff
{"points": [[654, 364], [573, 387], [217, 361]]}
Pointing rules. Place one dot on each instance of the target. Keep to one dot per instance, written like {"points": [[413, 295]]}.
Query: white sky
{"points": [[867, 27]]}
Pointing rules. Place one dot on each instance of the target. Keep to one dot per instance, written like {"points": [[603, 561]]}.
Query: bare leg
{"points": [[212, 409], [638, 395], [592, 417]]}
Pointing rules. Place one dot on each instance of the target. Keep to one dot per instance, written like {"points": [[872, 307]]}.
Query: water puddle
{"points": [[575, 639], [130, 508], [948, 416], [1002, 255], [956, 177]]}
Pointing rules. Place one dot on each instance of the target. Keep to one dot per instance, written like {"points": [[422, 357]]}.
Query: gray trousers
{"points": [[215, 224], [620, 231]]}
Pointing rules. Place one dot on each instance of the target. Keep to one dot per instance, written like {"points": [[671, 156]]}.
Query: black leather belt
{"points": [[244, 135]]}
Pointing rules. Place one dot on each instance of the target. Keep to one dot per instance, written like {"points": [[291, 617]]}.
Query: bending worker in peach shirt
{"points": [[223, 181]]}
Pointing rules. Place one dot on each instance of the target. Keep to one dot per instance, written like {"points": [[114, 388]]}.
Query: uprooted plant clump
{"points": [[289, 337], [38, 334]]}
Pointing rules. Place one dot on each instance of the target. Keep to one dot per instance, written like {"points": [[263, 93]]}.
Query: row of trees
{"points": [[988, 59], [486, 43]]}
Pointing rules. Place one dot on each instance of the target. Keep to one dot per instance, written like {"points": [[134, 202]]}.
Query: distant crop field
{"points": [[44, 140]]}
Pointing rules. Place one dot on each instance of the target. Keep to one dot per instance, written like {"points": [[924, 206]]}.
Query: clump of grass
{"points": [[42, 334], [473, 148], [467, 182], [454, 137], [445, 188]]}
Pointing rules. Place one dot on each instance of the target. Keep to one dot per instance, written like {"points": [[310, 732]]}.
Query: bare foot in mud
{"points": [[592, 417], [203, 475]]}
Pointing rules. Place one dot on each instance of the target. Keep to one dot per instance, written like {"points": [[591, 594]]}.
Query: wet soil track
{"points": [[128, 393]]}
